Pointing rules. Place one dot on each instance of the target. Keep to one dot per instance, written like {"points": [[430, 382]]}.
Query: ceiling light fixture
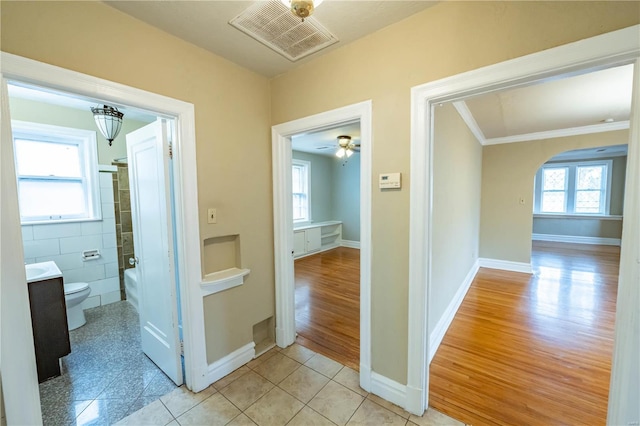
{"points": [[346, 146], [302, 8], [109, 121]]}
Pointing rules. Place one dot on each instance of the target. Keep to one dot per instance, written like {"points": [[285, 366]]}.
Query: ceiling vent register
{"points": [[272, 24]]}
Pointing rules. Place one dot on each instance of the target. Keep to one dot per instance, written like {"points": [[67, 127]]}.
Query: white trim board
{"points": [[449, 314], [603, 51], [231, 362], [505, 265], [388, 389], [283, 222], [576, 239], [471, 123], [16, 68], [350, 244]]}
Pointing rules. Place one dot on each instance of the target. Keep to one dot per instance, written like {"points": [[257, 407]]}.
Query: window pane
{"points": [[299, 207], [47, 159], [588, 202], [554, 179], [589, 177], [553, 202], [51, 198]]}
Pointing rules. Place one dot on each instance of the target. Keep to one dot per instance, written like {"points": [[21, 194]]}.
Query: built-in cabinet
{"points": [[316, 237]]}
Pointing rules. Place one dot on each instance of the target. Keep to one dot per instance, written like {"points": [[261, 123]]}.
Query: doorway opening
{"points": [[289, 244], [92, 244], [526, 70], [25, 72], [326, 241]]}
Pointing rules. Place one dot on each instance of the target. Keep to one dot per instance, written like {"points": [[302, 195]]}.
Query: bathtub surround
{"points": [[124, 229], [64, 243]]}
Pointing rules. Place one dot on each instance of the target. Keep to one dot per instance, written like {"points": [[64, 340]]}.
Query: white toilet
{"points": [[74, 295]]}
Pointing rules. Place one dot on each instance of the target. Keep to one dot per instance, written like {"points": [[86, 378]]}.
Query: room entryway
{"points": [[527, 349]]}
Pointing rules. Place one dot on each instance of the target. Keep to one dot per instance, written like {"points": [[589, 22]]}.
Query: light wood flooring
{"points": [[532, 349], [328, 304]]}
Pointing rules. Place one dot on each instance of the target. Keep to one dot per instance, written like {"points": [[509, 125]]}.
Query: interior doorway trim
{"points": [[615, 48], [283, 223], [16, 68]]}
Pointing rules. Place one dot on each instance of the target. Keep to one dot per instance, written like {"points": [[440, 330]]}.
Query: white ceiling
{"points": [[560, 107], [325, 141], [206, 24]]}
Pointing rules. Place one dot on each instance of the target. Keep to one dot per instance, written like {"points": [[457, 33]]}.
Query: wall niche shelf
{"points": [[218, 281], [221, 260]]}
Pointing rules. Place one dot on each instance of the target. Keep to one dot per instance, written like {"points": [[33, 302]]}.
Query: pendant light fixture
{"points": [[302, 8], [109, 121]]}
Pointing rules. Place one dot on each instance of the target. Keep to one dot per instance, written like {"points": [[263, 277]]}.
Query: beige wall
{"points": [[38, 112], [233, 104], [457, 175], [447, 39], [232, 131], [508, 172]]}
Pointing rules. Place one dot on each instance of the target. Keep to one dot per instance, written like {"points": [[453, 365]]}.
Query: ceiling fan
{"points": [[346, 146]]}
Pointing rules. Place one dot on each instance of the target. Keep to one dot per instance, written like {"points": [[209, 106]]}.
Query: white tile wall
{"points": [[64, 243]]}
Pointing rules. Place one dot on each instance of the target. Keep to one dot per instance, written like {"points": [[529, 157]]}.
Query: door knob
{"points": [[133, 261]]}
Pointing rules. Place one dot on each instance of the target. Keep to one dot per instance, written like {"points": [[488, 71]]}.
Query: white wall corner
{"points": [[388, 389], [447, 317], [365, 377], [577, 239], [350, 244], [230, 363], [414, 403], [506, 265]]}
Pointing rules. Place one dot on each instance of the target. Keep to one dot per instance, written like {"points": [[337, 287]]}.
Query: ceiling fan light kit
{"points": [[302, 8]]}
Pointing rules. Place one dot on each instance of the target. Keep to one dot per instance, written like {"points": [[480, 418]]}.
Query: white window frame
{"points": [[306, 165], [86, 141], [571, 187]]}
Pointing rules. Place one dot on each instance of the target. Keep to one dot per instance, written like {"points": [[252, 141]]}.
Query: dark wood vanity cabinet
{"points": [[50, 330]]}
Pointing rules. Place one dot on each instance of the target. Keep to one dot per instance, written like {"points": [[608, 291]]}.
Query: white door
{"points": [[148, 157]]}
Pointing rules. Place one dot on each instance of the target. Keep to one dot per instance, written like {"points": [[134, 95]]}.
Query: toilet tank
{"points": [[131, 287]]}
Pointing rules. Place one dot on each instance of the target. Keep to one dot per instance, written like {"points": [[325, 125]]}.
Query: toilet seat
{"points": [[72, 288]]}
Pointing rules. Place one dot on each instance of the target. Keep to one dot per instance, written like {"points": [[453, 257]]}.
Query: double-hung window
{"points": [[57, 173], [577, 188], [300, 177]]}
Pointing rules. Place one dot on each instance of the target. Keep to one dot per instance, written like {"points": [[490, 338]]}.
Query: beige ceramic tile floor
{"points": [[294, 387]]}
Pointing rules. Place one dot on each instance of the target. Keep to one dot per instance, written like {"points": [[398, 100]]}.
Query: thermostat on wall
{"points": [[389, 180]]}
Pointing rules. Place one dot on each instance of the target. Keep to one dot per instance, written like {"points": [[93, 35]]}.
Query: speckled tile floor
{"points": [[106, 376]]}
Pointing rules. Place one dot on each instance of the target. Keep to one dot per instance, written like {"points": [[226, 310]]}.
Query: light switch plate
{"points": [[212, 216]]}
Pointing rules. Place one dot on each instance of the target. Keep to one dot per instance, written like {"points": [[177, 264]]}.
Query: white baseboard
{"points": [[230, 363], [388, 389], [447, 317], [506, 265], [350, 244], [576, 239]]}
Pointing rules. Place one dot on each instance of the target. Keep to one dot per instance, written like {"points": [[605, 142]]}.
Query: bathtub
{"points": [[131, 287]]}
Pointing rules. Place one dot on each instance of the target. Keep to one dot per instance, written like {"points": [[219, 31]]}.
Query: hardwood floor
{"points": [[532, 349], [328, 304]]}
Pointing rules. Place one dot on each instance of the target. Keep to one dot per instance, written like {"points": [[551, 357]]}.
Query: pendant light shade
{"points": [[109, 121]]}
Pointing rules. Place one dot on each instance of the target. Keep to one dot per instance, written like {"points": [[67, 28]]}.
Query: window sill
{"points": [[56, 222], [575, 216]]}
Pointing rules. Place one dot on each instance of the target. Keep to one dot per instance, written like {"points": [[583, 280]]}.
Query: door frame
{"points": [[17, 68], [283, 223], [599, 52]]}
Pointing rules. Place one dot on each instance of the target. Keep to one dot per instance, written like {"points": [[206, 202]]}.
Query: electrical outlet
{"points": [[212, 216]]}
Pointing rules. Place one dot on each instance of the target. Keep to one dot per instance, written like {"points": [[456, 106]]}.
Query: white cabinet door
{"points": [[299, 243], [314, 239]]}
